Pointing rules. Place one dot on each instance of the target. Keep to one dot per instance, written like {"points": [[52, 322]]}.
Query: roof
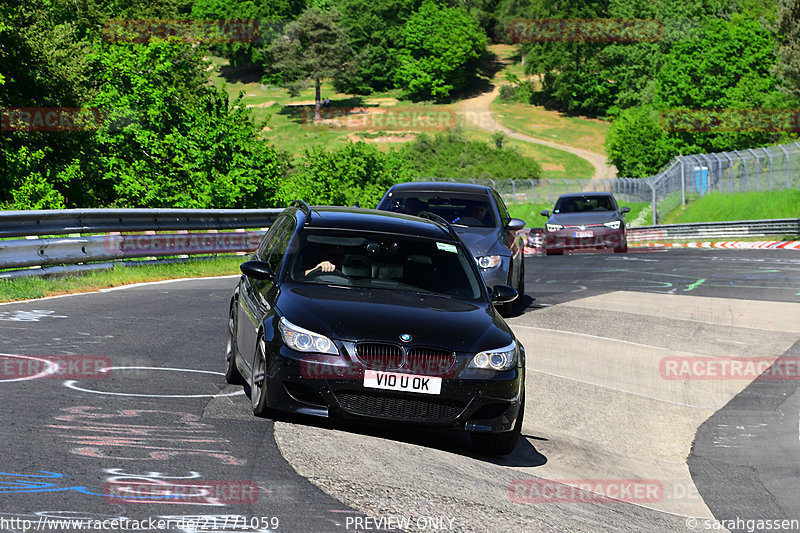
{"points": [[356, 218], [582, 194], [433, 186]]}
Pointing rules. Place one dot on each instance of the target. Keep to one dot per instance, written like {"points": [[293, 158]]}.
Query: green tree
{"points": [[440, 50], [357, 172], [730, 67], [270, 16], [375, 32], [313, 48], [177, 141], [788, 27], [637, 144]]}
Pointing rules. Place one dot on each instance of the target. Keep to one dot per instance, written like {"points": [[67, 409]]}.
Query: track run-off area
{"points": [[661, 395]]}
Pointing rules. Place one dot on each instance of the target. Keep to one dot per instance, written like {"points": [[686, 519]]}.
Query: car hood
{"points": [[356, 314], [480, 241], [577, 219]]}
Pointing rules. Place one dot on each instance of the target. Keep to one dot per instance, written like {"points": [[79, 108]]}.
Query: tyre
{"points": [[258, 381], [500, 443], [232, 374], [621, 250], [519, 303], [553, 252]]}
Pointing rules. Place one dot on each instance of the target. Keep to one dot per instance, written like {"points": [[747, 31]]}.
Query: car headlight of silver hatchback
{"points": [[303, 340], [500, 359]]}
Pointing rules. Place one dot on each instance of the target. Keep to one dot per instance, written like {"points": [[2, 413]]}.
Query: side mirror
{"points": [[545, 213], [257, 270], [515, 224], [501, 294], [625, 210]]}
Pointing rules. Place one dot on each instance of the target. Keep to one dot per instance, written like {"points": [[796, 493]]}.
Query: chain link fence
{"points": [[685, 177]]}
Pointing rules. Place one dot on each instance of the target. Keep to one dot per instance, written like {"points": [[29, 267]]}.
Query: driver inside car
{"points": [[329, 257]]}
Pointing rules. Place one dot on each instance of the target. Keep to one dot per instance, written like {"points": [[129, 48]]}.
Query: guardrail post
{"points": [[769, 158], [514, 191], [786, 153], [653, 202], [758, 169], [683, 181], [533, 196]]}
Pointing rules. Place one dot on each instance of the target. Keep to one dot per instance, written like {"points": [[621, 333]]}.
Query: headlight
{"points": [[302, 340], [554, 227], [612, 225], [500, 359], [489, 261]]}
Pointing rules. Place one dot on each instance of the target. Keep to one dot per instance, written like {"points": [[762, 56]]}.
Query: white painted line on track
{"points": [[51, 368], [712, 407], [71, 384], [121, 287]]}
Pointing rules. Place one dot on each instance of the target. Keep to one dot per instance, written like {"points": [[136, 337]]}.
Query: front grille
{"points": [[430, 362], [377, 356], [399, 408]]}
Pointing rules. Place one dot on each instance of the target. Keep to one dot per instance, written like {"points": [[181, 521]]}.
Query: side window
{"points": [[501, 207], [269, 238], [277, 252]]}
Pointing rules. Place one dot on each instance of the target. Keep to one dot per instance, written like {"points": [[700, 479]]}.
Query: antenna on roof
{"points": [[303, 207], [438, 220]]}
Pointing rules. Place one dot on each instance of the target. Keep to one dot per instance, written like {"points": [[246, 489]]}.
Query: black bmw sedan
{"points": [[368, 315]]}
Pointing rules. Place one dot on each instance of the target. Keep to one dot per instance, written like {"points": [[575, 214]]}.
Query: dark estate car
{"points": [[480, 217], [585, 220], [374, 316]]}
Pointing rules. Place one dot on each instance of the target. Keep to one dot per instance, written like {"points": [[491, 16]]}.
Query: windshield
{"points": [[461, 209], [381, 261], [583, 204]]}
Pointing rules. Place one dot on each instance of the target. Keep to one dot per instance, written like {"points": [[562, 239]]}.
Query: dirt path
{"points": [[476, 111]]}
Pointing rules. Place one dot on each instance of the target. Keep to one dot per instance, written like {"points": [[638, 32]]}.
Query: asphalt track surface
{"points": [[163, 415]]}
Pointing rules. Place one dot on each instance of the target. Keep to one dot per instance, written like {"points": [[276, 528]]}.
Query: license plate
{"points": [[581, 234], [402, 382]]}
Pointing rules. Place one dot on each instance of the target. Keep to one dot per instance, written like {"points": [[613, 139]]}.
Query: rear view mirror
{"points": [[257, 270], [625, 210], [515, 224], [503, 294], [545, 213]]}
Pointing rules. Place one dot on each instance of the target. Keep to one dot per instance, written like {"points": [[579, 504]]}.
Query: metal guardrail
{"points": [[37, 256], [65, 221], [75, 251], [716, 230]]}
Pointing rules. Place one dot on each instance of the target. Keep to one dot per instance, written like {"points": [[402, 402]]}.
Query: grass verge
{"points": [[721, 207], [29, 288]]}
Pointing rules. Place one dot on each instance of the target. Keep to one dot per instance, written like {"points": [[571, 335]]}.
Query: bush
{"points": [[357, 172]]}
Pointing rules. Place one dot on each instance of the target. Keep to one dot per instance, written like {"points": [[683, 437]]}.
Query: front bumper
{"points": [[572, 239], [333, 386]]}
